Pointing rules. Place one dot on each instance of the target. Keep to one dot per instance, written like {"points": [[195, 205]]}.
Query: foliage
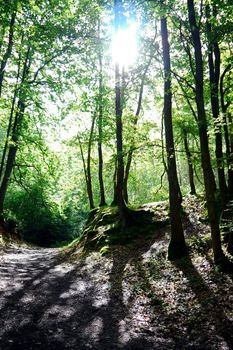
{"points": [[64, 49], [39, 219]]}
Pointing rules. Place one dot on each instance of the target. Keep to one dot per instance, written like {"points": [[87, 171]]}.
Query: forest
{"points": [[116, 171]]}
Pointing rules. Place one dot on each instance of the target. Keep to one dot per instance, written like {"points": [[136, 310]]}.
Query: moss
{"points": [[103, 227]]}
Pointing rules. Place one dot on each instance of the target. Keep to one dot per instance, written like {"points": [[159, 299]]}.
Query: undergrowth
{"points": [[103, 228]]}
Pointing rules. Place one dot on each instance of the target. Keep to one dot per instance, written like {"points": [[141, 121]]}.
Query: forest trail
{"points": [[48, 303], [132, 299]]}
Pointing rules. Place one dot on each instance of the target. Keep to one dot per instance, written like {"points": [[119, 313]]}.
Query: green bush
{"points": [[40, 220]]}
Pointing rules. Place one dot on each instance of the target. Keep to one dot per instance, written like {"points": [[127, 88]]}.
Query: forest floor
{"points": [[133, 298]]}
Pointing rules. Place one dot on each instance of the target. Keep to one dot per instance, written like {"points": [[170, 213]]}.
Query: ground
{"points": [[133, 298]]}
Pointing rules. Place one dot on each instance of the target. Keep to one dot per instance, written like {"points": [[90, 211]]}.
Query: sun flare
{"points": [[124, 46]]}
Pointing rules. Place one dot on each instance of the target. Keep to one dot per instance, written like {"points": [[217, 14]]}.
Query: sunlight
{"points": [[124, 46]]}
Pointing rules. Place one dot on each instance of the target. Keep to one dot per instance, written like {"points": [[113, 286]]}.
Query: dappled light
{"points": [[133, 298], [116, 175]]}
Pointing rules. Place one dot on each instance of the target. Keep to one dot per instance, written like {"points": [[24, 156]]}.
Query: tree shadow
{"points": [[83, 305], [212, 318], [192, 226], [37, 289], [47, 305], [117, 319]]}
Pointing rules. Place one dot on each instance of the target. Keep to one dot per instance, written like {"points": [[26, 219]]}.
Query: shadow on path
{"points": [[213, 321], [46, 303]]}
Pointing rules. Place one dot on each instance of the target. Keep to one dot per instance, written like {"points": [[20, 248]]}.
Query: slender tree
{"points": [[177, 247], [19, 113], [209, 181], [8, 50], [214, 60], [87, 164], [100, 125], [118, 110], [190, 165], [135, 122], [227, 120]]}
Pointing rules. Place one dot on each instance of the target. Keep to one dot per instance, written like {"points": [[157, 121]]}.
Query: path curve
{"points": [[47, 303]]}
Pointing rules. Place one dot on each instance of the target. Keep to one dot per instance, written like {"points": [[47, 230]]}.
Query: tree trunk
{"points": [[214, 74], [8, 50], [209, 180], [10, 122], [89, 189], [119, 139], [177, 247], [114, 201], [100, 133], [135, 122], [228, 137], [11, 154], [190, 165], [15, 133], [131, 150], [87, 164], [88, 185]]}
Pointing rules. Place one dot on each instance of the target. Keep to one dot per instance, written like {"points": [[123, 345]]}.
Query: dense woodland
{"points": [[86, 122], [116, 175]]}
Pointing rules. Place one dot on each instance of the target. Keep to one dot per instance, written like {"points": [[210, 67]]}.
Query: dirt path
{"points": [[47, 303], [134, 299]]}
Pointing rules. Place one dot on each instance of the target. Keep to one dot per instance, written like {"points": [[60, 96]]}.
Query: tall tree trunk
{"points": [[11, 154], [131, 150], [190, 165], [227, 136], [119, 138], [177, 247], [15, 132], [8, 51], [90, 191], [10, 120], [87, 164], [209, 181], [88, 184], [114, 201], [100, 132], [214, 74], [135, 122]]}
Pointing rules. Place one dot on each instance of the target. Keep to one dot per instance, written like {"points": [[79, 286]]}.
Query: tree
{"points": [[9, 45], [190, 165], [87, 164], [34, 57], [209, 181], [227, 121], [135, 122], [19, 113], [100, 122], [214, 59], [177, 247], [118, 11]]}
